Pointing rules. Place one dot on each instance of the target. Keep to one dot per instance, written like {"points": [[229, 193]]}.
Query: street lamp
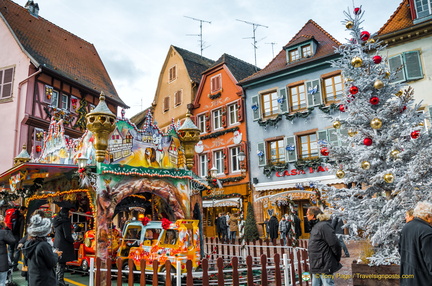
{"points": [[82, 162], [213, 172]]}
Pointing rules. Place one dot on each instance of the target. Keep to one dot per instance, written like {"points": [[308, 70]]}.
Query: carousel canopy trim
{"points": [[233, 202], [127, 170], [286, 184]]}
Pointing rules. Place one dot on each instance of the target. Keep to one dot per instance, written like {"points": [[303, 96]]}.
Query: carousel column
{"points": [[101, 122]]}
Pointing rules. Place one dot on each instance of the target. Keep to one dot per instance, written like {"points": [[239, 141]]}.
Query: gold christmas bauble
{"points": [[340, 174], [388, 178], [386, 75], [365, 165], [352, 133], [399, 93], [394, 153], [356, 62], [337, 124], [371, 41], [378, 84], [349, 25], [376, 123]]}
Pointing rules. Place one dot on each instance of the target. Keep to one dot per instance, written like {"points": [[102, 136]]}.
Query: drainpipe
{"points": [[16, 141]]}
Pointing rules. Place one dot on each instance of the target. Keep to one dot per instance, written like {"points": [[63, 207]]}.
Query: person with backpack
{"points": [[6, 238]]}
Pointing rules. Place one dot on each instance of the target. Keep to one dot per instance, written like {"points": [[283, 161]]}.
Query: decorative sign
{"points": [[294, 172]]}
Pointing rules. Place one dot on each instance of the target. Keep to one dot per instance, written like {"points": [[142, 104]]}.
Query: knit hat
{"points": [[39, 226]]}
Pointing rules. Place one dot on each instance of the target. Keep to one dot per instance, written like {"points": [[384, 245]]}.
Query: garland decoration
{"points": [[312, 163], [219, 133], [145, 220], [299, 114], [327, 108], [270, 121], [269, 169], [224, 196], [231, 179], [214, 96]]}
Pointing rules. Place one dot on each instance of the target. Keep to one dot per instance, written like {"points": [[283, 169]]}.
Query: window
{"points": [[306, 51], [64, 104], [234, 160], [233, 113], [202, 165], [54, 98], [216, 83], [217, 119], [423, 8], [218, 161], [177, 98], [294, 55], [333, 88], [308, 146], [201, 122], [166, 104], [172, 73], [270, 104], [276, 151], [6, 77], [407, 66], [297, 97]]}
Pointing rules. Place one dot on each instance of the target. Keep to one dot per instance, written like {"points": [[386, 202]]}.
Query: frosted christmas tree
{"points": [[385, 156]]}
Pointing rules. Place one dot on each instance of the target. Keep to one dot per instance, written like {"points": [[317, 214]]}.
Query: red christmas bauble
{"points": [[354, 89], [415, 134], [377, 59], [357, 10], [367, 141], [324, 151], [404, 108], [350, 98], [364, 36], [374, 100], [342, 108]]}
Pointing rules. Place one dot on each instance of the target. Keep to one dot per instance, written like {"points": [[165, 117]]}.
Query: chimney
{"points": [[32, 7]]}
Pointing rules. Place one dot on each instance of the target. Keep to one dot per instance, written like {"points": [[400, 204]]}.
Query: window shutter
{"points": [[7, 83], [283, 100], [256, 108], [313, 89], [395, 63], [208, 121], [240, 110], [290, 155], [322, 135], [226, 161], [224, 116], [413, 66], [210, 161], [333, 138], [261, 151], [166, 104]]}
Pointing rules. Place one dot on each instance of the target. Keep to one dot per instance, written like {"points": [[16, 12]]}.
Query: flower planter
{"points": [[383, 275]]}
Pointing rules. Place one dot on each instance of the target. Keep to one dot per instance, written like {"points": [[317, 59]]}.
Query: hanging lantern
{"points": [[352, 133], [353, 89], [340, 174], [367, 141], [388, 178], [374, 100], [365, 165], [378, 84], [349, 25], [376, 123], [337, 124], [364, 36], [377, 59], [415, 134], [394, 153], [356, 62], [324, 151]]}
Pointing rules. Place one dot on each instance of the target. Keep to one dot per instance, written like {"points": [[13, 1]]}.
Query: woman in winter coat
{"points": [[273, 227], [233, 226], [63, 241], [6, 237], [40, 256]]}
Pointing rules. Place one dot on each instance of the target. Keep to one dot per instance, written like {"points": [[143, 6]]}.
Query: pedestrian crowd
{"points": [[229, 225]]}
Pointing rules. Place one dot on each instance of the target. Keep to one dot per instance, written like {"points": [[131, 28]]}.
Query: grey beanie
{"points": [[39, 226]]}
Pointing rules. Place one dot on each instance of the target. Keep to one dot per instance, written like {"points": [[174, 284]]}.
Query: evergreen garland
{"points": [[300, 114], [219, 133], [251, 230]]}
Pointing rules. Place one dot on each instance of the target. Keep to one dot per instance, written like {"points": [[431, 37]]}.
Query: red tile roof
{"points": [[400, 19], [310, 30], [58, 50]]}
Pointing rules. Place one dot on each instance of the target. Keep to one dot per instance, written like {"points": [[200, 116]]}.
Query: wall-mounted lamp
{"points": [[82, 162], [241, 156], [213, 172]]}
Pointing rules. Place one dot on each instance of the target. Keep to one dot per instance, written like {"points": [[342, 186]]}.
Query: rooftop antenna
{"points": [[255, 26], [272, 44], [200, 34]]}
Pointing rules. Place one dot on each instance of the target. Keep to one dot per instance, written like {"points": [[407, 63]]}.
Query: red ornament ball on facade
{"points": [[374, 100], [415, 134], [367, 141], [357, 10], [324, 151], [377, 59], [342, 108], [354, 89], [364, 36]]}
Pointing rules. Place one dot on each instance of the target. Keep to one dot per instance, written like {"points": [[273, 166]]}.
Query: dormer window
{"points": [[301, 51], [423, 9]]}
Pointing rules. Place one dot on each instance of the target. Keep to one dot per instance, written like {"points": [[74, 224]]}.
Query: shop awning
{"points": [[287, 184], [231, 202]]}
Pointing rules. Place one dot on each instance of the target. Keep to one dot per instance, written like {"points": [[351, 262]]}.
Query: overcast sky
{"points": [[133, 36]]}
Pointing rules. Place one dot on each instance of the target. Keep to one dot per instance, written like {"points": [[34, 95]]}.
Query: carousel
{"points": [[113, 173]]}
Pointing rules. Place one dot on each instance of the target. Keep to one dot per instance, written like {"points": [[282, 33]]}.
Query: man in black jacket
{"points": [[415, 247], [324, 248]]}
